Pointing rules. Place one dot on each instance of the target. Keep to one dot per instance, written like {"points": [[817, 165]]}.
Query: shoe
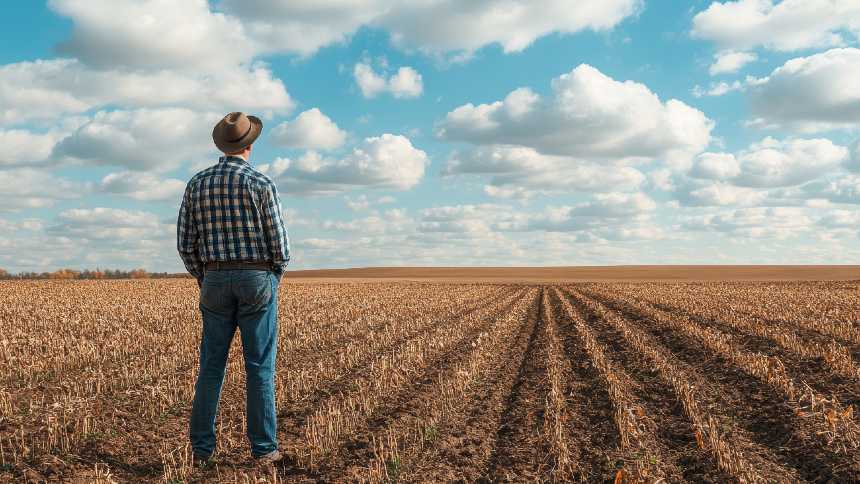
{"points": [[200, 460], [270, 458]]}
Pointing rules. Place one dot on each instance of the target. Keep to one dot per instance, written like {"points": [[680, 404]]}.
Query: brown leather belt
{"points": [[238, 265]]}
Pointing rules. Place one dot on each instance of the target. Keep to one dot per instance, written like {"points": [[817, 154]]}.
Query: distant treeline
{"points": [[90, 274]]}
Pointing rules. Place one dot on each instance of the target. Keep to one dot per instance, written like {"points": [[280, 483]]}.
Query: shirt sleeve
{"points": [[187, 237], [276, 233]]}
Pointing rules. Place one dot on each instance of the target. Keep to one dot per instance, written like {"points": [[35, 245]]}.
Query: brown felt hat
{"points": [[236, 131]]}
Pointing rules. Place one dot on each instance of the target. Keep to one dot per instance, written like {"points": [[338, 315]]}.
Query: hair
{"points": [[240, 151]]}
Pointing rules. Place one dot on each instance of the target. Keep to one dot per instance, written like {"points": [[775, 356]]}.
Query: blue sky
{"points": [[439, 132]]}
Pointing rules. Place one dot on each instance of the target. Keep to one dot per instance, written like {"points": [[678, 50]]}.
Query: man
{"points": [[232, 239]]}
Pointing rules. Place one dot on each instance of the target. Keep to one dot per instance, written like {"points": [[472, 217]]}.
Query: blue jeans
{"points": [[247, 299]]}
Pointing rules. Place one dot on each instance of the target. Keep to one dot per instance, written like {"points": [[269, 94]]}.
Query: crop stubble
{"points": [[442, 381]]}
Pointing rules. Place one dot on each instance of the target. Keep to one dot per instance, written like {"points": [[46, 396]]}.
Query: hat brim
{"points": [[238, 145]]}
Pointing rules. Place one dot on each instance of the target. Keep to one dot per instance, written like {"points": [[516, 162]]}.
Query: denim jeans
{"points": [[247, 299]]}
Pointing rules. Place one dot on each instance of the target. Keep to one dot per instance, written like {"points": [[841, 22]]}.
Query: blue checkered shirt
{"points": [[231, 212]]}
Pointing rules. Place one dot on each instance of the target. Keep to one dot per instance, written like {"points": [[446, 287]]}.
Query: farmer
{"points": [[232, 240]]}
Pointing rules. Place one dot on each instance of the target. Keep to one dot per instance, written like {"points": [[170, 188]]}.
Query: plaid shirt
{"points": [[231, 212]]}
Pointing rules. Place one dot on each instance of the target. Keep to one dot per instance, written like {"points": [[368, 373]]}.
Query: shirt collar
{"points": [[234, 159]]}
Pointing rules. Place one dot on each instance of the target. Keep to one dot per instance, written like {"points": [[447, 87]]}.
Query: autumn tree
{"points": [[64, 274], [139, 274]]}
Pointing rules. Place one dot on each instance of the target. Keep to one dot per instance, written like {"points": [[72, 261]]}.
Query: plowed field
{"points": [[445, 381]]}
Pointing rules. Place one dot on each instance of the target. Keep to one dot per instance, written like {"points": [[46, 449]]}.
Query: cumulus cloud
{"points": [[784, 26], [26, 188], [144, 139], [616, 205], [387, 161], [23, 147], [729, 61], [718, 88], [770, 172], [717, 194], [772, 163], [84, 219], [606, 211], [756, 222], [46, 89], [470, 220], [437, 27], [451, 25], [589, 116], [810, 94], [405, 83], [310, 130], [843, 189], [841, 219], [518, 172], [108, 237], [362, 202], [716, 166], [609, 216], [142, 186], [302, 27], [392, 221], [153, 34]]}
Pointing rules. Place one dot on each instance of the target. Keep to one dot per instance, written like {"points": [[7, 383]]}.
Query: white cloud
{"points": [[105, 237], [154, 34], [478, 220], [387, 161], [22, 147], [508, 192], [616, 205], [391, 221], [716, 166], [757, 222], [769, 171], [730, 61], [82, 220], [310, 130], [605, 213], [358, 204], [303, 26], [843, 189], [617, 216], [773, 163], [47, 89], [26, 188], [718, 89], [810, 94], [784, 26], [841, 219], [405, 83], [661, 179], [589, 116], [362, 202], [718, 194], [368, 80], [518, 172], [143, 139], [142, 186], [435, 27], [453, 26]]}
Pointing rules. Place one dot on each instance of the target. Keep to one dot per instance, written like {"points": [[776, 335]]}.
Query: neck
{"points": [[240, 155]]}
